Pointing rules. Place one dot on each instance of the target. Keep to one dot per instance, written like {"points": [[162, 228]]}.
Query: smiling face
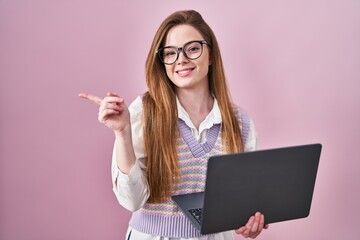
{"points": [[185, 73]]}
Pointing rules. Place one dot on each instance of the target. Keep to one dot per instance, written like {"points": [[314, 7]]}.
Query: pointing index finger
{"points": [[93, 98]]}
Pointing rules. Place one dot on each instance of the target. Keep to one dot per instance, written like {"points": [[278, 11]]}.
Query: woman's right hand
{"points": [[113, 111]]}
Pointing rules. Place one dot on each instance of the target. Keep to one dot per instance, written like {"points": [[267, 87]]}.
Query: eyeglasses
{"points": [[191, 50]]}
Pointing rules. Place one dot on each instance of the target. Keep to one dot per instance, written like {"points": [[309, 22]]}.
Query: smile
{"points": [[185, 72]]}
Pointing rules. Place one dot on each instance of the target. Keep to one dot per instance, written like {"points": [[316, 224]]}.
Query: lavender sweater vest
{"points": [[166, 219]]}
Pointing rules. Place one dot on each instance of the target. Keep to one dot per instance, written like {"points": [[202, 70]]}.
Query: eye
{"points": [[169, 52], [194, 47]]}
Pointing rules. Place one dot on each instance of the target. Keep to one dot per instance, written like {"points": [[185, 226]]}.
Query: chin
{"points": [[183, 83]]}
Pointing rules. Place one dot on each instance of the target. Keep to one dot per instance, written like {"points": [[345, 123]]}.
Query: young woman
{"points": [[164, 138]]}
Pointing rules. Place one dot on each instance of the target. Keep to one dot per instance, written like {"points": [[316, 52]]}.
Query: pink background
{"points": [[294, 65]]}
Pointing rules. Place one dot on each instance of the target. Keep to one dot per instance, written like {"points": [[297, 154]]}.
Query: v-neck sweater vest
{"points": [[166, 219]]}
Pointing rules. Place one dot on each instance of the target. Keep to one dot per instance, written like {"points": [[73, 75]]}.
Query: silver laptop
{"points": [[277, 182]]}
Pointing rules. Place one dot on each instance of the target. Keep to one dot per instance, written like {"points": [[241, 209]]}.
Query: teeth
{"points": [[184, 71]]}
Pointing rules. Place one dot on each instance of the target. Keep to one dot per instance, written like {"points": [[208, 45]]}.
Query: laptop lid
{"points": [[277, 182]]}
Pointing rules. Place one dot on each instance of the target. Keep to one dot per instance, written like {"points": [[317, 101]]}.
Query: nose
{"points": [[182, 58]]}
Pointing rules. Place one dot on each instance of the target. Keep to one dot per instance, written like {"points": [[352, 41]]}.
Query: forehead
{"points": [[181, 34]]}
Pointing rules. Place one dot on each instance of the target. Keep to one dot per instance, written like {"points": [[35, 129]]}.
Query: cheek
{"points": [[169, 71], [204, 69], [204, 72]]}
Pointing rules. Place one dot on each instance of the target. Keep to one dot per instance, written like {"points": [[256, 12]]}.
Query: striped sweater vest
{"points": [[166, 219]]}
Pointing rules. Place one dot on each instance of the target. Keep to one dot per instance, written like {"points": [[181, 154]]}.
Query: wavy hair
{"points": [[160, 119]]}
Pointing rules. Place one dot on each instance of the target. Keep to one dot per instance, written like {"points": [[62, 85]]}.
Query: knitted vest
{"points": [[166, 219]]}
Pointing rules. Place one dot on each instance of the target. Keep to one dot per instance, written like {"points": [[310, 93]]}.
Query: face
{"points": [[186, 73]]}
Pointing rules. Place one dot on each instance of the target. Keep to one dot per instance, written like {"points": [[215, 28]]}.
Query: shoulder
{"points": [[136, 106], [136, 109]]}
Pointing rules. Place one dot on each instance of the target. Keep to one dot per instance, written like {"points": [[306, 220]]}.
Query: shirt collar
{"points": [[214, 116]]}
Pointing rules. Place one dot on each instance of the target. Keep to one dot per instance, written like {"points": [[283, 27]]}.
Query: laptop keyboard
{"points": [[196, 213]]}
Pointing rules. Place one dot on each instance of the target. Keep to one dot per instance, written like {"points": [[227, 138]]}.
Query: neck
{"points": [[196, 101], [197, 104]]}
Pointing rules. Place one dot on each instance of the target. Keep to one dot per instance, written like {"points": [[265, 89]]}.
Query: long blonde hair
{"points": [[160, 117]]}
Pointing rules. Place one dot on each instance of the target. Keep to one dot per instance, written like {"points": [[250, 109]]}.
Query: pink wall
{"points": [[294, 65]]}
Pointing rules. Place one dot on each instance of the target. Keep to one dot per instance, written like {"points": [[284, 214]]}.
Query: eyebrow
{"points": [[183, 44]]}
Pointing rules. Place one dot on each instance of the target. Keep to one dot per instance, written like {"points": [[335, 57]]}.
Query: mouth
{"points": [[185, 71]]}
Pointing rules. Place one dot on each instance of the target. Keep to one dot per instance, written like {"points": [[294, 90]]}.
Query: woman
{"points": [[165, 137]]}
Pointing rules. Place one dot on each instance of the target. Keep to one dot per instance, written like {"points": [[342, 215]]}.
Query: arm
{"points": [[129, 182], [132, 189], [114, 114]]}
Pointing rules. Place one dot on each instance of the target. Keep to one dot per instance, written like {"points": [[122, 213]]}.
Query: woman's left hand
{"points": [[253, 227]]}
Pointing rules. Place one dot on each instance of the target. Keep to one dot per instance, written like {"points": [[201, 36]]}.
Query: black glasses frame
{"points": [[181, 49]]}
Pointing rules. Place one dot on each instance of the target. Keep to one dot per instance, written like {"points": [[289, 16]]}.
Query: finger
{"points": [[255, 226], [256, 231], [110, 106], [113, 99], [262, 222], [255, 235], [265, 226], [241, 230], [115, 104], [91, 97], [117, 98], [248, 226], [112, 94], [260, 228], [106, 113]]}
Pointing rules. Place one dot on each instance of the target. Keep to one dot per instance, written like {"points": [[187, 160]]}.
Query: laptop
{"points": [[277, 182]]}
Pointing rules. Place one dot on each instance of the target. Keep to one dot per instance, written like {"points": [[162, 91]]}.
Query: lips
{"points": [[184, 72]]}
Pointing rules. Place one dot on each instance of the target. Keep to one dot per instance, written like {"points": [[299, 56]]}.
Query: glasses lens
{"points": [[193, 50], [168, 55]]}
